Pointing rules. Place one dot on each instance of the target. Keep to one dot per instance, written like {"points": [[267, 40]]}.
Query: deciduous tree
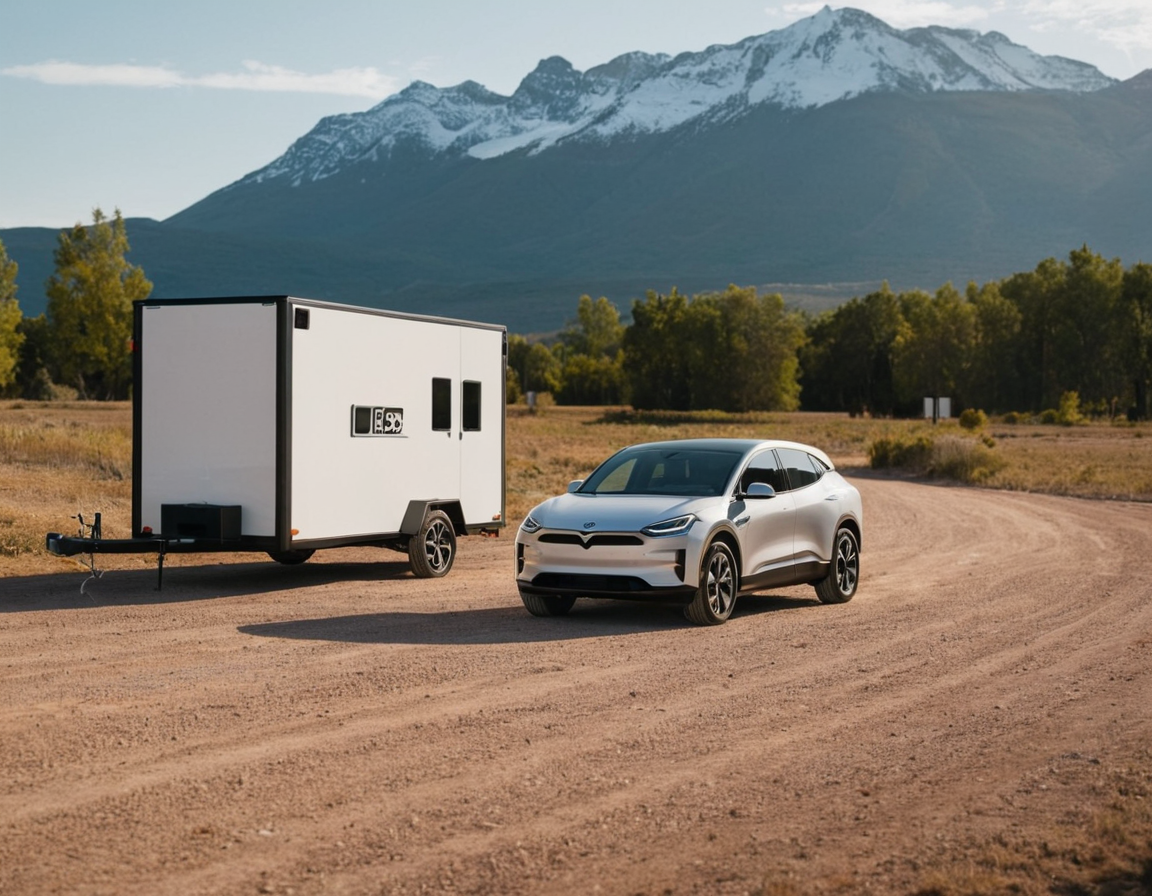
{"points": [[90, 299]]}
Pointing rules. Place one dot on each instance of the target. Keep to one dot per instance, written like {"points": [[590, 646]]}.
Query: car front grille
{"points": [[594, 541], [590, 583]]}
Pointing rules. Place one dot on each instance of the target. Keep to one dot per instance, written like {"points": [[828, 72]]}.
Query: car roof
{"points": [[744, 446]]}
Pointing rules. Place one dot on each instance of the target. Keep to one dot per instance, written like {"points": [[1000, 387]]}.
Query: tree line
{"points": [[1081, 325]]}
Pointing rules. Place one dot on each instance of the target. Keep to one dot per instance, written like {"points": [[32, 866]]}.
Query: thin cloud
{"points": [[1126, 24], [900, 13], [365, 82]]}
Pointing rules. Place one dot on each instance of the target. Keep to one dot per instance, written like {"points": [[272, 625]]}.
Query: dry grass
{"points": [[58, 458], [1101, 848], [547, 450]]}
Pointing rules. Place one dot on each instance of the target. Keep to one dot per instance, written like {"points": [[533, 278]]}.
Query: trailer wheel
{"points": [[432, 549], [290, 557]]}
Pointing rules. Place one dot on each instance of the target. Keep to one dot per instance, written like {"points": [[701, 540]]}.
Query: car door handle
{"points": [[832, 497], [743, 521]]}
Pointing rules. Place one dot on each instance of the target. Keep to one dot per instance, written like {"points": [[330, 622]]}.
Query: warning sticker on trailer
{"points": [[370, 420]]}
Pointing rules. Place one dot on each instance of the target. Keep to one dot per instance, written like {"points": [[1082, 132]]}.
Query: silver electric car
{"points": [[698, 522]]}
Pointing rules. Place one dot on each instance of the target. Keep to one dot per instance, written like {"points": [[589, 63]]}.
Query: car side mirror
{"points": [[574, 485], [759, 490]]}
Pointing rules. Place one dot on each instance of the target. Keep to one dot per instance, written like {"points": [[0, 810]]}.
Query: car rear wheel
{"points": [[844, 572], [547, 604], [432, 550], [719, 582]]}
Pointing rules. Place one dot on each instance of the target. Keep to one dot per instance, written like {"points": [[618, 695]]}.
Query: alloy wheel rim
{"points": [[847, 564], [437, 548], [719, 584]]}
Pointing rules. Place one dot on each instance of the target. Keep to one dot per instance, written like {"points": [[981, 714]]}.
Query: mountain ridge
{"points": [[830, 56]]}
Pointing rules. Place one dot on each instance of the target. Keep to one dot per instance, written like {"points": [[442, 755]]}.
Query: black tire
{"points": [[290, 557], [432, 550], [547, 604], [839, 585], [719, 584]]}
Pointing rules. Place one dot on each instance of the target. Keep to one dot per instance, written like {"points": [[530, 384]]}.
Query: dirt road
{"points": [[341, 727]]}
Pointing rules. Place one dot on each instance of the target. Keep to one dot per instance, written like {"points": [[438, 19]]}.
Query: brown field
{"points": [[977, 720], [58, 459]]}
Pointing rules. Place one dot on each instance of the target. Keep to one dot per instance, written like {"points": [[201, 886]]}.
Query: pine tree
{"points": [[90, 299]]}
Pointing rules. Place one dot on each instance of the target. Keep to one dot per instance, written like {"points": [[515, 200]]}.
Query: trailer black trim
{"points": [[284, 327], [137, 410]]}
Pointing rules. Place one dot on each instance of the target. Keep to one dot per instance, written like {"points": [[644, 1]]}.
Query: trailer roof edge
{"points": [[318, 303]]}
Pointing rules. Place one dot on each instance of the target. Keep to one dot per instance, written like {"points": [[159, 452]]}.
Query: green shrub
{"points": [[1069, 413], [1014, 417], [949, 457], [1050, 417], [973, 418], [902, 452], [964, 460]]}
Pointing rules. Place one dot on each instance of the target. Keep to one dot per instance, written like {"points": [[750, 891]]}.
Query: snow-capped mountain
{"points": [[833, 55]]}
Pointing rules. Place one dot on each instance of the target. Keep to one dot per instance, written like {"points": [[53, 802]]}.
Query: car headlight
{"points": [[676, 526], [529, 525]]}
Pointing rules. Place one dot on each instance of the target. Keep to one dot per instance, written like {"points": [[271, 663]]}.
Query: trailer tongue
{"points": [[92, 544]]}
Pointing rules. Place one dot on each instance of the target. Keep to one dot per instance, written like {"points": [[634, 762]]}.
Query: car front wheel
{"points": [[844, 572], [716, 595]]}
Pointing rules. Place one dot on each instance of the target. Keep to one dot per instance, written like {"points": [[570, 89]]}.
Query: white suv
{"points": [[699, 522]]}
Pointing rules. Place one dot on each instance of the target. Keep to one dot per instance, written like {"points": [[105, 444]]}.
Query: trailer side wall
{"points": [[345, 485]]}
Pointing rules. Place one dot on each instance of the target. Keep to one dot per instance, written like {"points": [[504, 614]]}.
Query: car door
{"points": [[765, 525], [817, 507]]}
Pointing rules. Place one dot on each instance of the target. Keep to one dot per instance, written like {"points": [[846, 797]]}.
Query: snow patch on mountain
{"points": [[830, 56]]}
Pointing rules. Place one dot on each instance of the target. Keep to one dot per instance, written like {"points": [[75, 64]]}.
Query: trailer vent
{"points": [[302, 318]]}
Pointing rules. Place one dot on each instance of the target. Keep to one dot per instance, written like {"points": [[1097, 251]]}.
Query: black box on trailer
{"points": [[214, 522]]}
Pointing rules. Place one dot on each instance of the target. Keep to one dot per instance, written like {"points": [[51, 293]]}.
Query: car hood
{"points": [[614, 513]]}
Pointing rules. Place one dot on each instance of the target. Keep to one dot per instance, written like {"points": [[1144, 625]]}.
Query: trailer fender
{"points": [[417, 510]]}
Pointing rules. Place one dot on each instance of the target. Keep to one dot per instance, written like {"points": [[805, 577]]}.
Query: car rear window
{"points": [[801, 469]]}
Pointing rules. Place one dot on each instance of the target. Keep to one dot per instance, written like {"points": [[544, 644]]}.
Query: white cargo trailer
{"points": [[285, 425]]}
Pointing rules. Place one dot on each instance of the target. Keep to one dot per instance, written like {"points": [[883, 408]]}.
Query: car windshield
{"points": [[691, 472]]}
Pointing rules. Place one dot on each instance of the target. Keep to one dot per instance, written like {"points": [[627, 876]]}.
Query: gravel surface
{"points": [[342, 727]]}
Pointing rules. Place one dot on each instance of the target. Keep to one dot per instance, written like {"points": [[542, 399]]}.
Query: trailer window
{"points": [[441, 404], [471, 410]]}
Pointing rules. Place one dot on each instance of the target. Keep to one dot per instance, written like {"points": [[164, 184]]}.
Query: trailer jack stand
{"points": [[94, 574]]}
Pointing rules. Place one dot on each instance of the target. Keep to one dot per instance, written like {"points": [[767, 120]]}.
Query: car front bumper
{"points": [[625, 565]]}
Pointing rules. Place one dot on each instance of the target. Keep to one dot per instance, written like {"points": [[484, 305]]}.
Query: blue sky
{"points": [[149, 105]]}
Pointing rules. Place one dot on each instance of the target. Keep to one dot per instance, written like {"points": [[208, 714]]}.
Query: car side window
{"points": [[763, 468], [801, 470]]}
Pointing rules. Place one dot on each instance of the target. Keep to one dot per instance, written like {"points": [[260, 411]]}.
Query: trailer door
{"points": [[481, 424]]}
